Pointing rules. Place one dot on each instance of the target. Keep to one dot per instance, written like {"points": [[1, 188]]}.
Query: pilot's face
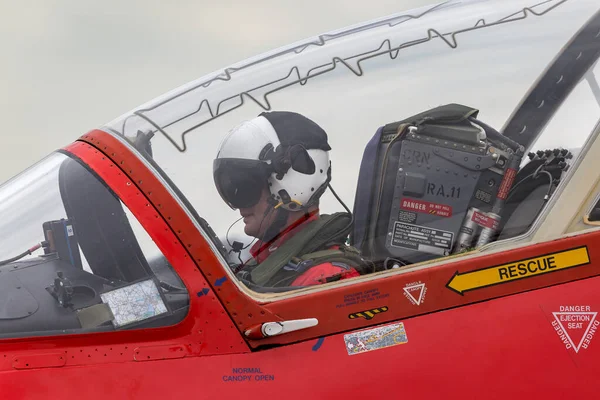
{"points": [[255, 219]]}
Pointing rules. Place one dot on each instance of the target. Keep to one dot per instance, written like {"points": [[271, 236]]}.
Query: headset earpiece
{"points": [[267, 152], [285, 157], [301, 161]]}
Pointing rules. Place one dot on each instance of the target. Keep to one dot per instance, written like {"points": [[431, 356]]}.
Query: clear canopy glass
{"points": [[483, 55]]}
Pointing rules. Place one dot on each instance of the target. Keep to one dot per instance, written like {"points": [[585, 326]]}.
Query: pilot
{"points": [[273, 169]]}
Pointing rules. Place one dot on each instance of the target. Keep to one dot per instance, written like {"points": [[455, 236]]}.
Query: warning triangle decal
{"points": [[415, 292], [575, 325]]}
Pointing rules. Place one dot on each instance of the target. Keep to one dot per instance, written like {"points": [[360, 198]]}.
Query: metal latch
{"points": [[268, 329]]}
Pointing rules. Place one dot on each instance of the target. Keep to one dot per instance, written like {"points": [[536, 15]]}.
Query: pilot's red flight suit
{"points": [[314, 275]]}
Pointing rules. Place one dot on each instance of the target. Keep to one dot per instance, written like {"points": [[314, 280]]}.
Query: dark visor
{"points": [[240, 182]]}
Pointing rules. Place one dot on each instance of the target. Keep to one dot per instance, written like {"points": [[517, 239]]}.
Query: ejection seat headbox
{"points": [[432, 185]]}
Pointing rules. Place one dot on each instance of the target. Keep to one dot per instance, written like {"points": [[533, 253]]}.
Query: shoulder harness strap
{"points": [[306, 247]]}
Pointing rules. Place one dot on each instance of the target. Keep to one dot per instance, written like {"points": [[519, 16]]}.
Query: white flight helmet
{"points": [[285, 150]]}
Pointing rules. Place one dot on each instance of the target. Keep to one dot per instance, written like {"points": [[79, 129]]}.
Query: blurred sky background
{"points": [[69, 66]]}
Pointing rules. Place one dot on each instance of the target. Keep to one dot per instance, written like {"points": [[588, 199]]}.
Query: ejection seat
{"points": [[411, 193], [367, 234], [101, 225], [402, 216], [366, 185]]}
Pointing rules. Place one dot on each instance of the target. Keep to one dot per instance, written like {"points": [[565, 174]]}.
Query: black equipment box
{"points": [[62, 240], [428, 172]]}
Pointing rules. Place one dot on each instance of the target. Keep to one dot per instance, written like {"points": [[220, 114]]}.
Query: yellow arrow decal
{"points": [[463, 282]]}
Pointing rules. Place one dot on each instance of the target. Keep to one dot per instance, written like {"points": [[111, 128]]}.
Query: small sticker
{"points": [[422, 238], [368, 314], [484, 220], [426, 207], [506, 184], [407, 216], [415, 292], [376, 338], [575, 326], [466, 230], [483, 196]]}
